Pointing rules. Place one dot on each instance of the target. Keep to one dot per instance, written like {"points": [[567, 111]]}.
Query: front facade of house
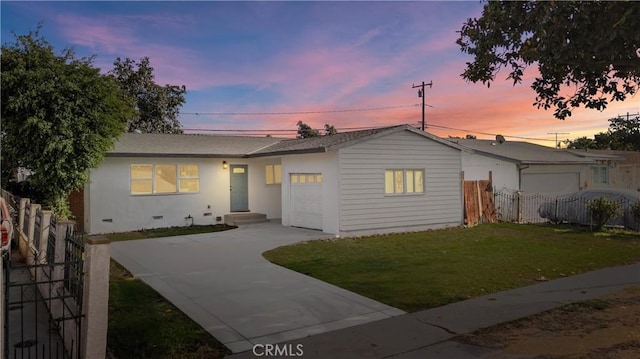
{"points": [[374, 181], [132, 193]]}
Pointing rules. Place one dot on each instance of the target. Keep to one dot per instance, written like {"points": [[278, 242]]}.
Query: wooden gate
{"points": [[478, 202]]}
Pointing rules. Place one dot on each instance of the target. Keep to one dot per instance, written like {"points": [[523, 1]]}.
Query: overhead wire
{"points": [[285, 131], [294, 112]]}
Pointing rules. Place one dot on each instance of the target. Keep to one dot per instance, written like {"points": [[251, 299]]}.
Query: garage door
{"points": [[550, 183], [306, 200]]}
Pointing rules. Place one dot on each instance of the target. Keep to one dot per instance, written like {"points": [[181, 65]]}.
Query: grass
{"points": [[592, 304], [416, 271], [142, 324], [167, 232]]}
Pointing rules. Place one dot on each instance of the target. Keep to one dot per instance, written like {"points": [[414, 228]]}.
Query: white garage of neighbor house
{"points": [[531, 168], [362, 182]]}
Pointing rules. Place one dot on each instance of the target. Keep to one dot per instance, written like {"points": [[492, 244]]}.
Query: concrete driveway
{"points": [[222, 282]]}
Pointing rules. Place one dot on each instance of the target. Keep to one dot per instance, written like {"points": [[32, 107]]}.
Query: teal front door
{"points": [[239, 188]]}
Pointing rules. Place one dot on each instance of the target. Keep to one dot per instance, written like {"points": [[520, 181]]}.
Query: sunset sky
{"points": [[266, 57]]}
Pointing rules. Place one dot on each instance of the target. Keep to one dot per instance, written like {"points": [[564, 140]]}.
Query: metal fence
{"points": [[13, 205], [537, 208], [44, 294]]}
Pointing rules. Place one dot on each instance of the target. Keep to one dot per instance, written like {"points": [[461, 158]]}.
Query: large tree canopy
{"points": [[157, 107], [587, 53], [623, 134], [59, 116]]}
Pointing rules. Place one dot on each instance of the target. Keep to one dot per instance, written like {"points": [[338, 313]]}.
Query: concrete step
{"points": [[236, 219]]}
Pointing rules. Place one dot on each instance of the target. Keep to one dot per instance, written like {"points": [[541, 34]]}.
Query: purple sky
{"points": [[239, 57]]}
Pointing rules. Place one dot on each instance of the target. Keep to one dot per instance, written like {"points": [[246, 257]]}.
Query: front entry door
{"points": [[239, 188]]}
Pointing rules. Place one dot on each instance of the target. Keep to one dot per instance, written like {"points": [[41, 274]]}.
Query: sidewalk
{"points": [[427, 334], [29, 334]]}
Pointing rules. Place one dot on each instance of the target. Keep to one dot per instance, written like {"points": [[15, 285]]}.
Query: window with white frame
{"points": [[188, 178], [600, 174], [273, 174], [403, 181], [164, 179]]}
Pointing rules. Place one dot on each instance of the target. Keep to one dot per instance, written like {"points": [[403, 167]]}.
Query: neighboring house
{"points": [[362, 182], [531, 168], [621, 171]]}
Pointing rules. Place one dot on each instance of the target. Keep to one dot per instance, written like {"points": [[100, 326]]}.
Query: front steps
{"points": [[238, 219]]}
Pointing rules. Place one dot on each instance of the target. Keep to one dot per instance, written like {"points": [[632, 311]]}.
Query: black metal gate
{"points": [[43, 301]]}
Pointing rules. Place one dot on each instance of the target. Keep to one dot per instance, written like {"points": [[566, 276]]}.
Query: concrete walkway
{"points": [[428, 334], [222, 282]]}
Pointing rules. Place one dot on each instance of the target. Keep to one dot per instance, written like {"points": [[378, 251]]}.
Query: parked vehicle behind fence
{"points": [[574, 207]]}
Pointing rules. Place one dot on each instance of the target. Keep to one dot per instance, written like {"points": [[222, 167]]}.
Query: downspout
{"points": [[520, 168]]}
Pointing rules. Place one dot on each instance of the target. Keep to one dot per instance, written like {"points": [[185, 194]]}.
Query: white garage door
{"points": [[550, 183], [306, 200]]}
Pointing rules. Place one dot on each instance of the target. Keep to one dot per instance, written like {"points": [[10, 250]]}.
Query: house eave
{"points": [[288, 152], [175, 155]]}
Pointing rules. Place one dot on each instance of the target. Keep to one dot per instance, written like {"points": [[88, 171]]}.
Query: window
{"points": [[141, 179], [164, 178], [600, 174], [188, 178], [306, 178], [273, 174], [405, 181]]}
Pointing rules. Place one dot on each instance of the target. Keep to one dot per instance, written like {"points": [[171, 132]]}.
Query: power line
{"points": [[292, 112], [423, 95], [491, 134], [557, 133], [262, 132], [279, 130]]}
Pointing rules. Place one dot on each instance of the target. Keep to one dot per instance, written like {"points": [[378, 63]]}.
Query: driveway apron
{"points": [[223, 283]]}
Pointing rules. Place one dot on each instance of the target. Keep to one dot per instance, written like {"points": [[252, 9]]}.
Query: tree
{"points": [[329, 129], [59, 116], [305, 131], [591, 46], [623, 134], [582, 143], [157, 107]]}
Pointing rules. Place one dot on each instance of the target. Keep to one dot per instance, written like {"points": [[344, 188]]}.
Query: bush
{"points": [[602, 210], [635, 211]]}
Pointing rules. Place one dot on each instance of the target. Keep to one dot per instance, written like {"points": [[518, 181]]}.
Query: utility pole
{"points": [[421, 94], [557, 133]]}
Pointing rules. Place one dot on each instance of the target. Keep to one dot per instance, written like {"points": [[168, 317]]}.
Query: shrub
{"points": [[602, 210], [635, 211]]}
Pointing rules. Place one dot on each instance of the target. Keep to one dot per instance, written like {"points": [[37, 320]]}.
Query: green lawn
{"points": [[143, 324], [167, 232], [416, 271]]}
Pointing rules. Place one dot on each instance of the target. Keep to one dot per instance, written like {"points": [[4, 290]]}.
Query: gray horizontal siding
{"points": [[363, 203]]}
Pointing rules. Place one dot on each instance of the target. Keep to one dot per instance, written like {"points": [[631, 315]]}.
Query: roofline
{"points": [[396, 129], [173, 155], [287, 152], [533, 162]]}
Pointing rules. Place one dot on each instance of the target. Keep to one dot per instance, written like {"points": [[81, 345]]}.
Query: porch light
{"points": [[224, 165]]}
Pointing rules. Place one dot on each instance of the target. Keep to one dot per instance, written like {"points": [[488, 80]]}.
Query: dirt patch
{"points": [[602, 328]]}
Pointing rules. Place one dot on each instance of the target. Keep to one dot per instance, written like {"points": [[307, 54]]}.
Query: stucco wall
{"points": [[477, 167], [111, 207]]}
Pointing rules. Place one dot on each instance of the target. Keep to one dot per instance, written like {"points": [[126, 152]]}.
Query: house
{"points": [[621, 170], [372, 181], [532, 168]]}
